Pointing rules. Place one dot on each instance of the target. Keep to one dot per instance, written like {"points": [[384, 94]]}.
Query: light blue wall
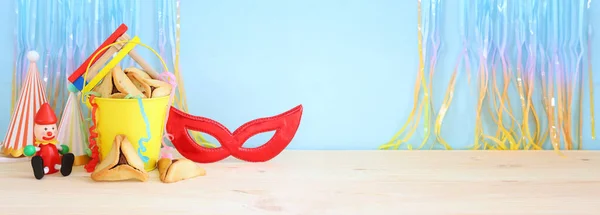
{"points": [[352, 64]]}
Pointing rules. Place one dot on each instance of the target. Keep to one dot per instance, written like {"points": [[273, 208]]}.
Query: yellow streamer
{"points": [[483, 81], [444, 108], [14, 90], [502, 107], [427, 89], [502, 134], [580, 129], [554, 134], [525, 89], [565, 109], [591, 94], [181, 100], [546, 102], [534, 141], [448, 101], [395, 143]]}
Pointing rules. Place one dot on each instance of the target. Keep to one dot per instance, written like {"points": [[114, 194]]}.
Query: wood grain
{"points": [[332, 182]]}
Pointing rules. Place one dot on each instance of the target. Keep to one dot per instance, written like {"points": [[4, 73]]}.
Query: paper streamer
{"points": [[590, 73], [181, 98], [449, 95], [436, 43], [166, 150], [429, 26], [527, 15], [579, 66]]}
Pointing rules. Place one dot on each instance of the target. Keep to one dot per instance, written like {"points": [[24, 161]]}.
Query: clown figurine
{"points": [[46, 153]]}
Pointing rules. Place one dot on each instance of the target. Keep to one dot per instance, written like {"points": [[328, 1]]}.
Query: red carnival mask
{"points": [[285, 126]]}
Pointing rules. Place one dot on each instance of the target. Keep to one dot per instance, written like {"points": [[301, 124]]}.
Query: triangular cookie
{"points": [[124, 84], [121, 163], [136, 79], [177, 170], [159, 88]]}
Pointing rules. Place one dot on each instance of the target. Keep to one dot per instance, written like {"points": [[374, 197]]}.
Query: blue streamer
{"points": [[102, 21], [19, 52], [469, 31], [573, 42], [96, 23], [134, 12], [544, 41], [81, 34], [581, 31], [172, 29], [31, 32], [47, 42], [126, 16], [109, 13], [579, 48], [564, 38], [520, 34], [141, 141], [26, 32], [464, 35], [50, 42], [61, 42], [435, 15], [503, 24], [533, 35], [70, 24], [426, 10], [37, 28], [161, 15], [462, 22], [89, 11], [436, 12], [480, 27], [570, 43], [166, 29]]}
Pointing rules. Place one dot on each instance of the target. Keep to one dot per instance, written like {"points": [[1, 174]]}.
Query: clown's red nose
{"points": [[49, 133]]}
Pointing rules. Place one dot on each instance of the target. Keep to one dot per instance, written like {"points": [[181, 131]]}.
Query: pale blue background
{"points": [[351, 63]]}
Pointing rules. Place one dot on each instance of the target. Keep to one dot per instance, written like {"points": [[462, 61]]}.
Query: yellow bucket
{"points": [[123, 116]]}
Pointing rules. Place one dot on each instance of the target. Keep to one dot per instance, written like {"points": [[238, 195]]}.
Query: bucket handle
{"points": [[135, 41]]}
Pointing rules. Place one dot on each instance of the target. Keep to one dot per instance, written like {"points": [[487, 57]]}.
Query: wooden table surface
{"points": [[331, 182]]}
